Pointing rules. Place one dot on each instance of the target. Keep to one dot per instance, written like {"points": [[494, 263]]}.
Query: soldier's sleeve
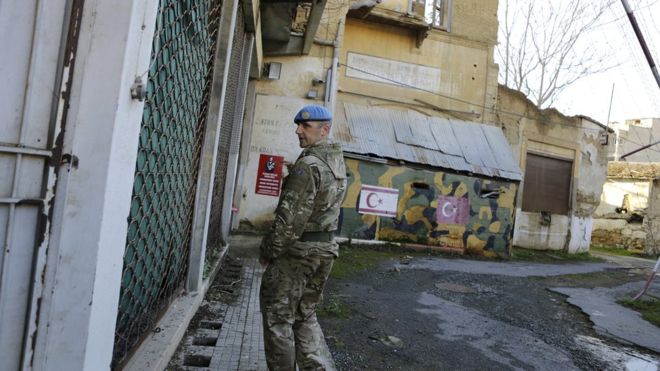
{"points": [[293, 211]]}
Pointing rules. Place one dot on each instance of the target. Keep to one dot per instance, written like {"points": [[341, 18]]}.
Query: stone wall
{"points": [[619, 233]]}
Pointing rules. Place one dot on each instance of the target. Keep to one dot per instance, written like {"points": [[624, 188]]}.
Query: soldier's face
{"points": [[311, 132]]}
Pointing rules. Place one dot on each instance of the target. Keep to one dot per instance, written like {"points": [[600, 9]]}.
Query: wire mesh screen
{"points": [[171, 135], [215, 236]]}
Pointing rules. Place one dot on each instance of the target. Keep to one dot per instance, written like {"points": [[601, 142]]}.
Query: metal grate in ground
{"points": [[226, 332]]}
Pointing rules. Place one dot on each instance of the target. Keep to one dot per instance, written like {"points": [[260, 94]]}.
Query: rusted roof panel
{"points": [[412, 137]]}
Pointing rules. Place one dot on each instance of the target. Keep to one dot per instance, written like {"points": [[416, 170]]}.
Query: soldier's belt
{"points": [[317, 237]]}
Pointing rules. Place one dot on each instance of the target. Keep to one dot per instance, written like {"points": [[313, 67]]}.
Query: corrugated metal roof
{"points": [[413, 137]]}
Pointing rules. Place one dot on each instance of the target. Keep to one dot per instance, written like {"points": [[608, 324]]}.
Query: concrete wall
{"points": [[488, 231], [470, 19], [634, 134], [273, 133], [83, 273], [615, 189], [619, 233], [652, 220], [573, 138], [456, 70]]}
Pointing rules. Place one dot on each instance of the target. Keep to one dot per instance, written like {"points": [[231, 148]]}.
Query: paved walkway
{"points": [[230, 336], [240, 345]]}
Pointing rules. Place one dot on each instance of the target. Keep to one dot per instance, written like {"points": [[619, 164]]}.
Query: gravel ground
{"points": [[387, 318]]}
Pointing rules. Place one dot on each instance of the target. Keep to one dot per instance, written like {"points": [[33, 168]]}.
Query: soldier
{"points": [[300, 249]]}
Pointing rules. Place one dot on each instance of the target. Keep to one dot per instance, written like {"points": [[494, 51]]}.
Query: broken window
{"points": [[547, 184]]}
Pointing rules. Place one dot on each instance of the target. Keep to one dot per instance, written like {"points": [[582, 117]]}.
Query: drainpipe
{"points": [[335, 64], [331, 76]]}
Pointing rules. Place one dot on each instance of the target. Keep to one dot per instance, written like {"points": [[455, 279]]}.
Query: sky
{"points": [[636, 93]]}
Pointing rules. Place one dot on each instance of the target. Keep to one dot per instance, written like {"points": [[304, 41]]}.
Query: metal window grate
{"points": [[215, 236], [159, 224]]}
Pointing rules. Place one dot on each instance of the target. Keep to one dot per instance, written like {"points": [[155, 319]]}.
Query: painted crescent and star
{"points": [[379, 201], [444, 209]]}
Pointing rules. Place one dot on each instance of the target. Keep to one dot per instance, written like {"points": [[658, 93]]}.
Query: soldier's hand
{"points": [[264, 261]]}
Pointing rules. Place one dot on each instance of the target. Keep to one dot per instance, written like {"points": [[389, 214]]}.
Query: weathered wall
{"points": [[269, 128], [273, 132], [470, 19], [458, 73], [298, 71], [488, 231], [652, 220], [573, 138], [619, 233], [614, 191]]}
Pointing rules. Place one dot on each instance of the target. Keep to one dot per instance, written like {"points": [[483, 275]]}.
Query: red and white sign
{"points": [[269, 175], [452, 210], [378, 201]]}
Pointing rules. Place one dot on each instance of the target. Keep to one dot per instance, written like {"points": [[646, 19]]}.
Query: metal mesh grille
{"points": [[228, 121], [159, 224]]}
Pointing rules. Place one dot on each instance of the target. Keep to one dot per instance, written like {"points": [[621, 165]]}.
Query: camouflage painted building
{"points": [[438, 167]]}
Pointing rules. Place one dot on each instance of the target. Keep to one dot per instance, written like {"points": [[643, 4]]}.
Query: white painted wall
{"points": [[592, 174], [615, 189], [273, 132], [530, 233], [79, 309], [580, 240]]}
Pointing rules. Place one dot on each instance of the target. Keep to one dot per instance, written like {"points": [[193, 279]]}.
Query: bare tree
{"points": [[539, 41]]}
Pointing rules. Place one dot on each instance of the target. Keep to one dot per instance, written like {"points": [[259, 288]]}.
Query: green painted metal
{"points": [[160, 219]]}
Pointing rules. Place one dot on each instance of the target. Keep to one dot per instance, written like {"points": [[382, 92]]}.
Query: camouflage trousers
{"points": [[291, 289]]}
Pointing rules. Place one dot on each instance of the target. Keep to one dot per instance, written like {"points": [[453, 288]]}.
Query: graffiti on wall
{"points": [[485, 229]]}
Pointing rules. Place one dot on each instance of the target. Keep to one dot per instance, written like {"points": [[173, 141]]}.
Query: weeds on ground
{"points": [[619, 251], [649, 308], [333, 307], [353, 260], [550, 256]]}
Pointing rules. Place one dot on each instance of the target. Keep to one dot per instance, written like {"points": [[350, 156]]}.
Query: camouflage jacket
{"points": [[311, 198]]}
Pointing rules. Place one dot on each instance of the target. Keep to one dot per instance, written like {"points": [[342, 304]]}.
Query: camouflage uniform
{"points": [[301, 251]]}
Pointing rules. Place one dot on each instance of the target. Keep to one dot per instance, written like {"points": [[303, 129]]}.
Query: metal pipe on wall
{"points": [[335, 63]]}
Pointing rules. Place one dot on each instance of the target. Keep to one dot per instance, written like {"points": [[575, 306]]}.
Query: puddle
{"points": [[620, 358]]}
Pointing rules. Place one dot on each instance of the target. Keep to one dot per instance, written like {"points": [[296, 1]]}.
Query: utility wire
{"points": [[460, 100], [476, 104]]}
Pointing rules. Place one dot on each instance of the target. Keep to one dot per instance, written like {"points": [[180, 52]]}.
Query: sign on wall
{"points": [[452, 210], [378, 201], [269, 175], [393, 72]]}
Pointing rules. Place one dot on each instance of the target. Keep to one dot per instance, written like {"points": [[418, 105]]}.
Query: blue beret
{"points": [[313, 113]]}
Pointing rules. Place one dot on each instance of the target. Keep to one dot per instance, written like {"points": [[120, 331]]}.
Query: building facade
{"points": [[626, 216], [564, 160]]}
